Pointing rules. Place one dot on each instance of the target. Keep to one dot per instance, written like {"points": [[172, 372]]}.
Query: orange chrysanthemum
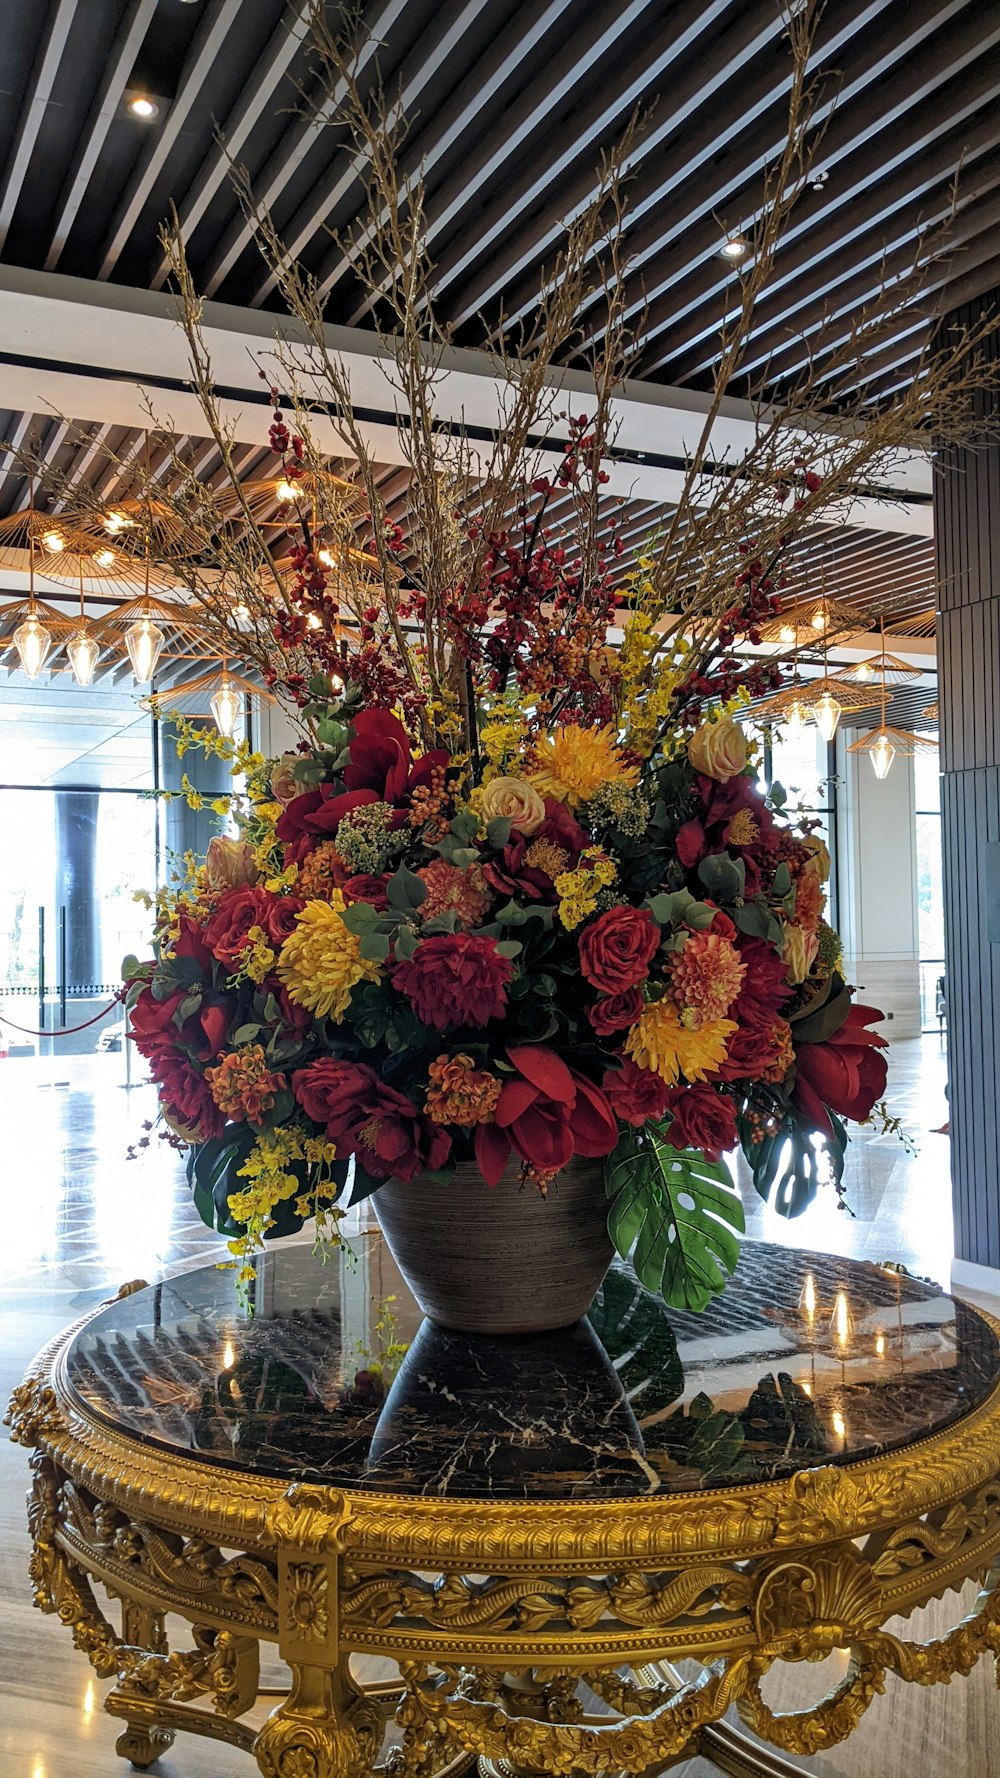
{"points": [[742, 829], [571, 763], [454, 891], [706, 975], [461, 1093], [243, 1086], [809, 900], [781, 1032]]}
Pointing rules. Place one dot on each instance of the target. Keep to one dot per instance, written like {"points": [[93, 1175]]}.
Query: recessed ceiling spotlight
{"points": [[734, 249], [144, 108]]}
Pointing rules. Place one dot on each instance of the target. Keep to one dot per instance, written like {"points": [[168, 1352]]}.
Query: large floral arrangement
{"points": [[573, 951]]}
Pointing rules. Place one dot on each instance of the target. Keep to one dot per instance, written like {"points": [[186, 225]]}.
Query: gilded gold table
{"points": [[532, 1532]]}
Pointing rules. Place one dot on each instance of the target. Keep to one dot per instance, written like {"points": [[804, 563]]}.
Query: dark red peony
{"points": [[765, 989], [618, 947], [545, 1114], [364, 1117], [228, 931], [528, 866], [701, 1118], [185, 1094], [615, 1011], [635, 1094], [455, 979], [846, 1073], [752, 1053]]}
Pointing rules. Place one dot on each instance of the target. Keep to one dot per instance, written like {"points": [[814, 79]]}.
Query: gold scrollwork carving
{"points": [[803, 1609], [326, 1728], [914, 1545], [501, 1605], [307, 1596]]}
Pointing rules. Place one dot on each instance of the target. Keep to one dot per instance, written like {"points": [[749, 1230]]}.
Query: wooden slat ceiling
{"points": [[512, 103]]}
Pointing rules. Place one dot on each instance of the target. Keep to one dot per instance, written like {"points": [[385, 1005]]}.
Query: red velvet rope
{"points": [[64, 1030]]}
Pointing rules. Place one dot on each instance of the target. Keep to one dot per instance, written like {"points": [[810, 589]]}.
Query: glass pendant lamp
{"points": [[83, 651], [31, 639], [827, 713], [225, 706]]}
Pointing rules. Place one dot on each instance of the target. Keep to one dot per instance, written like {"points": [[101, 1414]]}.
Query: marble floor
{"points": [[80, 1219]]}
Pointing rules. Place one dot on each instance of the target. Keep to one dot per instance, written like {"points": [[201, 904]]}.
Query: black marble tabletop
{"points": [[334, 1378]]}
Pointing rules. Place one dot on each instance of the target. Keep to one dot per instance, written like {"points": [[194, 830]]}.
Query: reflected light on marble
{"points": [[880, 1346]]}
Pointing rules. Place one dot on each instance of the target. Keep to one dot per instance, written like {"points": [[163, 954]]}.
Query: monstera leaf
{"points": [[789, 1166], [676, 1214]]}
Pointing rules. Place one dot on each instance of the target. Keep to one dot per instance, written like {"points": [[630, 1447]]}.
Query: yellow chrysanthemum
{"points": [[659, 1041], [321, 961], [572, 762]]}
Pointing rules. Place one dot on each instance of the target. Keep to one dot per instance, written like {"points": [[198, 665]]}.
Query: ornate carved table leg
{"points": [[326, 1728], [142, 1743]]}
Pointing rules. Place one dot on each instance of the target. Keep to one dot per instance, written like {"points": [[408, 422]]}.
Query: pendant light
{"points": [[144, 639], [827, 713], [884, 743], [795, 721], [225, 706], [82, 650], [882, 755], [31, 639]]}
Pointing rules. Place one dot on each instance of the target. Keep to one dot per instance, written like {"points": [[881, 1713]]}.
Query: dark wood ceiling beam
{"points": [[865, 199], [553, 189], [221, 18], [128, 41], [60, 22], [291, 151], [259, 93], [730, 143], [694, 281], [519, 42]]}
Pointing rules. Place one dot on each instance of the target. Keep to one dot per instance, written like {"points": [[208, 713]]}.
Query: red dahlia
{"points": [[455, 979]]}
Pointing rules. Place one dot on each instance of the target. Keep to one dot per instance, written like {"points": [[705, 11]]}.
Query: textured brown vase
{"points": [[500, 1259]]}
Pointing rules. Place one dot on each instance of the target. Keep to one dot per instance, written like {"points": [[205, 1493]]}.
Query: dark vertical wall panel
{"points": [[967, 533]]}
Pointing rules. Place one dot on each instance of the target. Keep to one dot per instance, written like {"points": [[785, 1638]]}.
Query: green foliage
{"points": [[723, 877], [631, 1323], [788, 1165], [676, 1214]]}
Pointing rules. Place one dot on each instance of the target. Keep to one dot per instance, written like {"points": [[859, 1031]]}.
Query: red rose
{"points": [[845, 1073], [616, 1011], [191, 942], [752, 1053], [371, 889], [545, 1114], [702, 1118], [636, 1094], [363, 1116], [228, 931], [455, 979], [618, 947]]}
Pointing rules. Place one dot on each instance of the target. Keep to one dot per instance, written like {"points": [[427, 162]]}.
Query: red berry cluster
{"points": [[799, 480]]}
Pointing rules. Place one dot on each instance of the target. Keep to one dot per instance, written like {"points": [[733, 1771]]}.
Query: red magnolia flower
{"points": [[702, 1118], [845, 1073], [615, 1011], [618, 947], [635, 1094], [527, 866], [191, 942], [382, 759], [153, 1027], [363, 1116], [455, 979], [227, 932], [545, 1114]]}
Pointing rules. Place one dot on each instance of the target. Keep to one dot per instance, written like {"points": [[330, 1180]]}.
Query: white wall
{"points": [[878, 886]]}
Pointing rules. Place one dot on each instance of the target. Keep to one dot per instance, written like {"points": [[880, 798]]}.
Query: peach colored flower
{"points": [[718, 749], [229, 864], [461, 1093], [454, 891], [799, 951], [706, 976], [516, 800]]}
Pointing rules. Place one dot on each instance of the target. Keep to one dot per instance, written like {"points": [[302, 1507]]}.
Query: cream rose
{"points": [[229, 864], [284, 784], [799, 952], [719, 749], [515, 800]]}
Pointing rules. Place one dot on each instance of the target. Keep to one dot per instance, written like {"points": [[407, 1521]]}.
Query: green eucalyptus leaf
{"points": [[723, 877], [246, 1033], [406, 942], [374, 946], [359, 918], [498, 832], [510, 947], [405, 889]]}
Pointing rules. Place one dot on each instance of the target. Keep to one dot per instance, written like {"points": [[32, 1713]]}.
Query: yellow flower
{"points": [[661, 1042], [572, 762], [321, 962]]}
